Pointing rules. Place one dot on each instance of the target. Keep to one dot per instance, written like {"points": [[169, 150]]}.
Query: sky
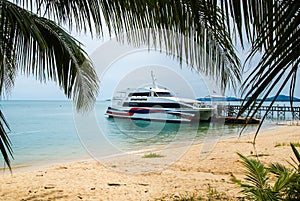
{"points": [[134, 71]]}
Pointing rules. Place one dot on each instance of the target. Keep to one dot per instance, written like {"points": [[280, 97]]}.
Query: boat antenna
{"points": [[153, 80]]}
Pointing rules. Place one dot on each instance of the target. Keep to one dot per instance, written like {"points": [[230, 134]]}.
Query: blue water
{"points": [[44, 132]]}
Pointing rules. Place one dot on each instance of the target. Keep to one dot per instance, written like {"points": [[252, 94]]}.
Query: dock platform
{"points": [[234, 120]]}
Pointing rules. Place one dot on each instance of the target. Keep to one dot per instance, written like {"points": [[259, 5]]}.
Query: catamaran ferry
{"points": [[155, 103]]}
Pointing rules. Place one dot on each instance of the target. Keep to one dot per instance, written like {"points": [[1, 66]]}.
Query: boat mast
{"points": [[153, 80]]}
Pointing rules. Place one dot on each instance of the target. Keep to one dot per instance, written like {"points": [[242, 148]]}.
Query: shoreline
{"points": [[88, 156], [188, 175], [41, 165]]}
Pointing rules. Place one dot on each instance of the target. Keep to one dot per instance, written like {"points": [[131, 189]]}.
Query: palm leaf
{"points": [[297, 155], [293, 190], [287, 184], [257, 177], [285, 187], [206, 44], [39, 47], [71, 67], [283, 175], [7, 75], [256, 173], [296, 152], [43, 49], [272, 27], [5, 144]]}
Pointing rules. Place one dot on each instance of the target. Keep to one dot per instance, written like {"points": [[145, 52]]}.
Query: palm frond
{"points": [[288, 180], [256, 173], [293, 190], [207, 45], [297, 157], [277, 168], [83, 15], [257, 177], [296, 152], [66, 64], [272, 28], [8, 73], [43, 49], [5, 144], [38, 46], [283, 175]]}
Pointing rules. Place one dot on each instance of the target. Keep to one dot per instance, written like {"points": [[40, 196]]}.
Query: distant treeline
{"points": [[282, 98]]}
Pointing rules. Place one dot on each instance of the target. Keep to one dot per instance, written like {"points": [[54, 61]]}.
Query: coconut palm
{"points": [[33, 42]]}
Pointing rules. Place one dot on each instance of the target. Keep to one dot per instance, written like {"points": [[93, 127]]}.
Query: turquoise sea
{"points": [[44, 133]]}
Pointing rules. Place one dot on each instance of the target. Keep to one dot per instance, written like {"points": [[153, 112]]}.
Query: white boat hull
{"points": [[161, 114]]}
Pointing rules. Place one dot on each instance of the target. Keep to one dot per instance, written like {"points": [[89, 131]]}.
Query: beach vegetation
{"points": [[152, 155], [296, 144], [271, 182], [212, 195]]}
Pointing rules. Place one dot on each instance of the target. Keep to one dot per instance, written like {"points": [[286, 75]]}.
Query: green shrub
{"points": [[152, 155], [257, 185]]}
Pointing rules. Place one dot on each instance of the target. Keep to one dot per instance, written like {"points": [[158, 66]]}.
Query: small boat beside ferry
{"points": [[154, 103]]}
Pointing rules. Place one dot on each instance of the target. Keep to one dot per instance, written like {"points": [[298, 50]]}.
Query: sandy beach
{"points": [[192, 174]]}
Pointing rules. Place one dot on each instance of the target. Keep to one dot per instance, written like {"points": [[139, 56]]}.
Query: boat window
{"points": [[139, 94], [163, 94]]}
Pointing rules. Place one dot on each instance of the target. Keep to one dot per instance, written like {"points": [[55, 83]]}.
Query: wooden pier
{"points": [[274, 112]]}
